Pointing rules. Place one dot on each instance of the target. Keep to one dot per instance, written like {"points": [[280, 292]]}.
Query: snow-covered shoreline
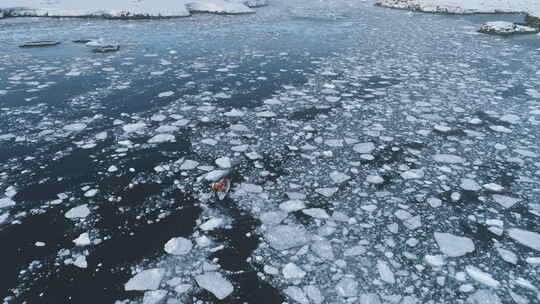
{"points": [[530, 8], [126, 9]]}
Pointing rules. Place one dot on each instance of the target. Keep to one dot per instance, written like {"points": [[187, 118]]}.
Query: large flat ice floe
{"points": [[531, 7], [125, 8]]}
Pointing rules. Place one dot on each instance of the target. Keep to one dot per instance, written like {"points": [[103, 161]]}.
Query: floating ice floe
{"points": [[386, 274], [212, 224], [347, 287], [481, 277], [224, 162], [6, 202], [505, 28], [178, 246], [291, 271], [282, 237], [134, 127], [82, 240], [81, 211], [297, 294], [166, 94], [484, 296], [527, 238], [154, 297], [215, 283], [76, 127], [149, 279], [453, 245], [448, 158], [505, 201], [339, 177], [364, 148], [162, 138]]}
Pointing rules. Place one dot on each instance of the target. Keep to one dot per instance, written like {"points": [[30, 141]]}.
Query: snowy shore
{"points": [[125, 9], [529, 7]]}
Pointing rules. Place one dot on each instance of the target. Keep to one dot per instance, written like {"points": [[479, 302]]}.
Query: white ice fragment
{"points": [[385, 272], [500, 129], [6, 202], [327, 192], [524, 237], [178, 246], [448, 159], [134, 127], [266, 114], [234, 113], [149, 279], [75, 127], [505, 201], [435, 260], [215, 283], [453, 245], [214, 176], [112, 169], [413, 174], [224, 162], [347, 287], [283, 237], [374, 179], [166, 94], [162, 138], [314, 294], [182, 288], [154, 297], [252, 188], [270, 270], [80, 261], [81, 211], [484, 296], [481, 277], [338, 177], [364, 148], [369, 298], [323, 249], [291, 271], [212, 224], [469, 184], [272, 218], [316, 213], [434, 202], [507, 255], [91, 193], [82, 240], [493, 187], [189, 165], [292, 206], [296, 294], [3, 217]]}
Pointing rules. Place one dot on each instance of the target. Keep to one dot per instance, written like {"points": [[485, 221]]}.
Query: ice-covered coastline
{"points": [[125, 9], [529, 7]]}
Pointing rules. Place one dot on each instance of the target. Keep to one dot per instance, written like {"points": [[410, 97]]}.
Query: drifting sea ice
{"points": [[215, 283], [149, 279]]}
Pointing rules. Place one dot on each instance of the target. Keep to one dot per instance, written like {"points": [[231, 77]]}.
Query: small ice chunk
{"points": [[448, 159], [212, 224], [505, 201], [81, 211], [481, 277], [292, 206], [291, 271], [347, 287], [434, 202], [316, 213], [413, 174], [91, 193], [6, 202], [3, 217], [434, 260], [507, 255], [216, 284], [80, 262], [178, 246], [154, 297], [314, 294], [296, 294], [484, 296], [323, 249], [453, 245], [385, 272], [82, 240], [252, 188], [369, 298], [270, 270], [327, 192], [469, 185], [214, 176], [224, 162], [189, 165], [338, 177], [493, 187], [273, 218], [182, 288], [374, 179], [166, 94], [112, 169], [134, 127], [162, 138], [364, 148], [76, 127], [283, 237], [149, 279], [524, 237]]}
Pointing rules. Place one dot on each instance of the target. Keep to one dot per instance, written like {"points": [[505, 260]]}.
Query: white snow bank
{"points": [[125, 8], [531, 7], [505, 28]]}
